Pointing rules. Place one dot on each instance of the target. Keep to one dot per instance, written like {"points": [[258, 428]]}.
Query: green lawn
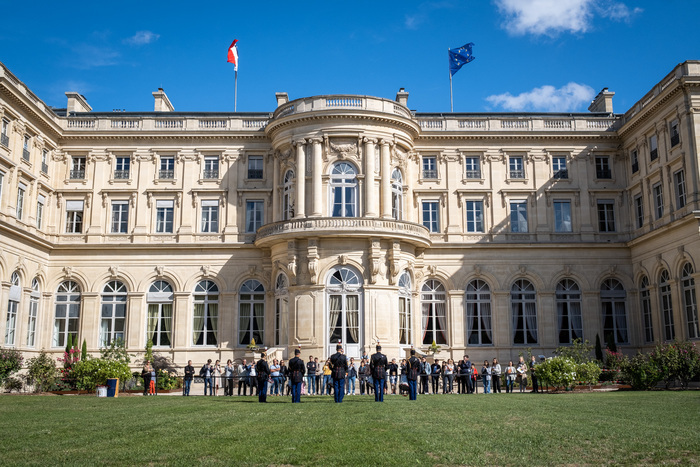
{"points": [[525, 429]]}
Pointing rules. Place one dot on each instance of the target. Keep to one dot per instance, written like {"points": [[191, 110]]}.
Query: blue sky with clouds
{"points": [[531, 55]]}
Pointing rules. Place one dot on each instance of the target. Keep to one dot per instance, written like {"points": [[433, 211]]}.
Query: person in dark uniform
{"points": [[296, 375], [413, 369], [189, 376], [262, 373], [378, 364], [339, 366]]}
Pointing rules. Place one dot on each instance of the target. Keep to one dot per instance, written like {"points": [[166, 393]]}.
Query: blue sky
{"points": [[531, 55]]}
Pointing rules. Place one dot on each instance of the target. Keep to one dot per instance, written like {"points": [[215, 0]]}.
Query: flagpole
{"points": [[235, 91], [451, 105]]}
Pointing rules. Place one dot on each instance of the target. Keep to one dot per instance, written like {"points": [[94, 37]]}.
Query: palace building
{"points": [[351, 219]]}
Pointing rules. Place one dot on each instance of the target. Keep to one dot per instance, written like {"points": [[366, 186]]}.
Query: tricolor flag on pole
{"points": [[233, 54]]}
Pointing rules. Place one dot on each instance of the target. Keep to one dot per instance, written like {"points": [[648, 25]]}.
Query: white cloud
{"points": [[569, 98], [142, 38], [551, 17], [87, 56]]}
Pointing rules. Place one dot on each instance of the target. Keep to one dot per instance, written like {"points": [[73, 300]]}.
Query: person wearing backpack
{"points": [[378, 364], [207, 372], [339, 366]]}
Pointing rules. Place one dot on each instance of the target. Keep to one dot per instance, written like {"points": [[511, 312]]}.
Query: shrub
{"points": [[588, 373], [678, 360], [167, 381], [42, 372], [640, 372], [94, 372], [579, 351], [559, 372], [10, 362], [598, 349], [13, 384]]}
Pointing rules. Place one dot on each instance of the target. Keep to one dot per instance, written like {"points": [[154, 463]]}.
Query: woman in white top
{"points": [[510, 377], [522, 374], [217, 377], [496, 376]]}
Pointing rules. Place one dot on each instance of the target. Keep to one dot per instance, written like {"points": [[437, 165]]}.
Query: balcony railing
{"points": [[25, 154], [603, 173], [675, 139], [166, 174], [474, 174], [561, 174], [211, 173], [45, 167], [5, 140], [256, 174], [121, 174], [653, 154], [517, 174], [77, 174], [429, 173], [635, 167]]}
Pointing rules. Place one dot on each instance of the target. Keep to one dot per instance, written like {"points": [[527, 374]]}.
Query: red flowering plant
{"points": [[70, 359], [677, 360]]}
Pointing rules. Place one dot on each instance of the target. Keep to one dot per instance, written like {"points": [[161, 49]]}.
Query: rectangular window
{"points": [[211, 167], [431, 218], [634, 157], [255, 167], [120, 216], [658, 194], [11, 322], [405, 333], [606, 215], [559, 170], [639, 210], [4, 138], [25, 148], [475, 216], [675, 133], [653, 147], [515, 167], [41, 201], [430, 167], [253, 216], [21, 190], [77, 171], [210, 216], [473, 167], [602, 167], [562, 216], [646, 315], [74, 217], [2, 181], [518, 216], [121, 169], [167, 168], [31, 323], [164, 216], [679, 184], [45, 161]]}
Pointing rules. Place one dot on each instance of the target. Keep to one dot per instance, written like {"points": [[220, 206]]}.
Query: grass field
{"points": [[525, 429]]}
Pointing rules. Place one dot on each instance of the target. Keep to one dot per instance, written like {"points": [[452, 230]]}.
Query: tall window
{"points": [[475, 216], [211, 167], [255, 167], [206, 314], [523, 304], [253, 215], [634, 157], [433, 315], [2, 182], [602, 167], [77, 171], [67, 313], [653, 148], [570, 323], [25, 148], [121, 168], [645, 302], [518, 216], [40, 202], [606, 215], [478, 302], [21, 190], [405, 310], [658, 194], [679, 185], [113, 313], [45, 161], [473, 167], [666, 304], [396, 195], [675, 133], [639, 211], [251, 313], [344, 190], [34, 297], [516, 169], [4, 139], [431, 216], [120, 216], [164, 215], [159, 324], [210, 216], [344, 293], [690, 304], [562, 216], [12, 309], [281, 306], [74, 217], [430, 167], [167, 168], [288, 196], [559, 167], [612, 298]]}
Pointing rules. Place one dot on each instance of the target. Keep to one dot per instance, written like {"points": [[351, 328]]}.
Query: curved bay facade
{"points": [[348, 219]]}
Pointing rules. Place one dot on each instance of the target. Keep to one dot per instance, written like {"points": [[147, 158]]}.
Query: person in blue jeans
{"points": [[189, 376], [207, 372], [275, 374], [486, 376], [311, 376], [352, 377]]}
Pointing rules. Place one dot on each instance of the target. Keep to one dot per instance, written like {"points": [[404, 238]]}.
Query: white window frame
{"points": [[613, 301], [679, 185], [40, 203], [639, 210], [433, 306], [405, 310], [211, 168], [562, 216], [74, 216], [344, 186], [606, 216], [254, 215], [666, 305], [32, 318], [472, 167], [210, 216], [645, 306], [569, 316], [478, 312], [120, 217], [15, 295], [690, 303], [255, 163], [430, 215], [165, 216], [288, 195], [206, 294], [159, 318], [518, 216], [657, 191], [429, 168], [475, 216], [68, 301], [21, 192], [251, 304], [559, 168], [516, 168], [122, 168], [396, 194], [523, 304], [113, 311]]}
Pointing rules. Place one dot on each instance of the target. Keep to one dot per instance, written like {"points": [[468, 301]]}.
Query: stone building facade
{"points": [[349, 219]]}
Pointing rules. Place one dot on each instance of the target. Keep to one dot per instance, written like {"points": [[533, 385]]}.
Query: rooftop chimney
{"points": [[602, 102], [162, 103], [402, 97], [282, 98], [77, 103]]}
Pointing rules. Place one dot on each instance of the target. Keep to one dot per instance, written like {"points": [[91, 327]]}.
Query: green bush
{"points": [[559, 372], [588, 372], [167, 381], [10, 362], [13, 384], [95, 372], [579, 351], [678, 360], [42, 372], [640, 372]]}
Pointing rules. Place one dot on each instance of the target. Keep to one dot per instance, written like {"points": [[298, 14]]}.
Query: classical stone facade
{"points": [[349, 219]]}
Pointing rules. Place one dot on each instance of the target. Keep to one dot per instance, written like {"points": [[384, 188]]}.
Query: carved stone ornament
{"points": [[160, 270], [344, 151], [68, 271], [205, 270], [113, 271], [432, 269], [342, 259]]}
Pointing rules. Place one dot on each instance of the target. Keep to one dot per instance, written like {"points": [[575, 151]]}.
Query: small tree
{"points": [[69, 342], [640, 372], [149, 351], [10, 362], [598, 349], [83, 352], [588, 373], [678, 360], [42, 372], [559, 372], [579, 351]]}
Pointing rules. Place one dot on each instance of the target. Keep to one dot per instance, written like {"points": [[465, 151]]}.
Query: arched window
{"points": [[666, 305], [645, 304], [344, 292], [478, 302], [343, 190], [12, 309], [288, 196], [434, 318], [612, 299], [159, 326], [281, 306], [397, 195], [34, 297], [113, 313], [251, 313], [523, 303], [206, 314], [67, 313], [405, 310], [689, 303], [570, 322]]}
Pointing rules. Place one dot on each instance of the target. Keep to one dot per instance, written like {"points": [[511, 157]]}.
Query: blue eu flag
{"points": [[460, 56]]}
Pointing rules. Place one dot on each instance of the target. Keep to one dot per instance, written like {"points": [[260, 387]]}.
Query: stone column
{"points": [[386, 179], [370, 198], [136, 321], [181, 337], [316, 173], [276, 213], [90, 316], [300, 205]]}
